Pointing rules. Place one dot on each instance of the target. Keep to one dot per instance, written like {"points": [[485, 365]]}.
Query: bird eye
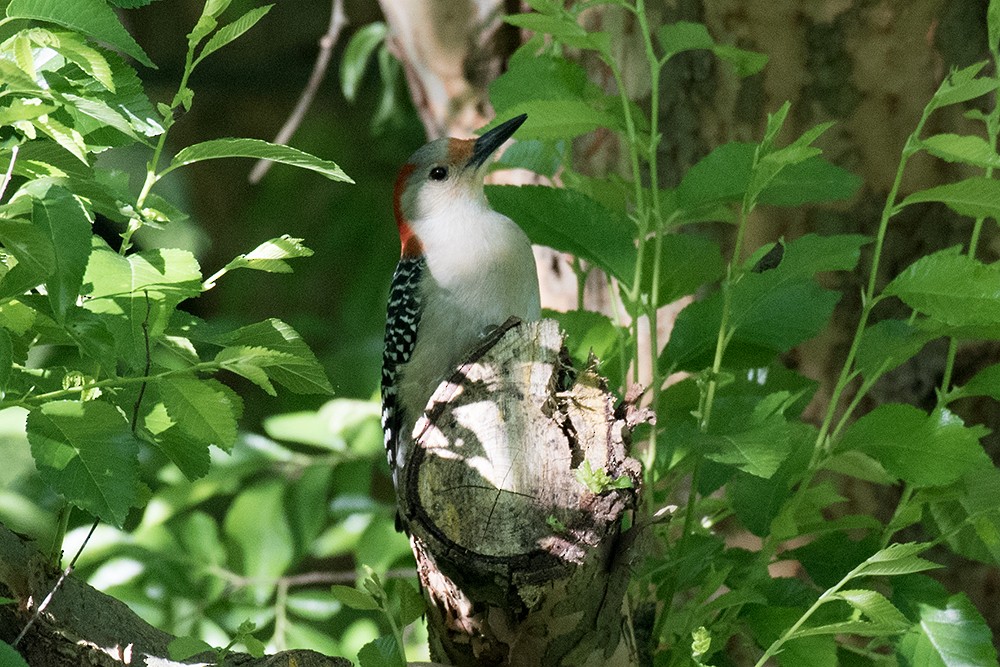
{"points": [[438, 174]]}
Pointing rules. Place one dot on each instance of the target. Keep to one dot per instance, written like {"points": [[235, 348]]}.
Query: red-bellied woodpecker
{"points": [[464, 268]]}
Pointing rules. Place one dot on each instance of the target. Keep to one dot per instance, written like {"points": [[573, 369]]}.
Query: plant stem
{"points": [[122, 382], [10, 170]]}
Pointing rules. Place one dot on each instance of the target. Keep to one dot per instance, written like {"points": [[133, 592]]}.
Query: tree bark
{"points": [[521, 562], [82, 626]]}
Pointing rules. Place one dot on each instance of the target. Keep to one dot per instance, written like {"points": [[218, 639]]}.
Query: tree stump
{"points": [[522, 562]]}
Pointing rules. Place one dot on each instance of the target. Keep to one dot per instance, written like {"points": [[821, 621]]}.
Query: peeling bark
{"points": [[521, 563]]}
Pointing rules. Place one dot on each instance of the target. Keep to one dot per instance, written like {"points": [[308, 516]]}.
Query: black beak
{"points": [[489, 142]]}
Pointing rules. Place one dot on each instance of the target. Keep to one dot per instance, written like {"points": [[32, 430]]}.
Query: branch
{"points": [[326, 43], [82, 626]]}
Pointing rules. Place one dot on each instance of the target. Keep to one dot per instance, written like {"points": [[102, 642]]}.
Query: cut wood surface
{"points": [[522, 563]]}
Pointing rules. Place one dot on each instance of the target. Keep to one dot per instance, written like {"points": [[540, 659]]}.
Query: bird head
{"points": [[441, 173]]}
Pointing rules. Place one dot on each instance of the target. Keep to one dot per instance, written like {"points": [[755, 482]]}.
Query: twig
{"points": [[10, 170], [326, 43], [62, 578]]}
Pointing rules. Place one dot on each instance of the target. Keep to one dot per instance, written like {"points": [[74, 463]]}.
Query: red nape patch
{"points": [[405, 233]]}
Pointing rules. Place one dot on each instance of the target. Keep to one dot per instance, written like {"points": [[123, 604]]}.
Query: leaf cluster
{"points": [[732, 431]]}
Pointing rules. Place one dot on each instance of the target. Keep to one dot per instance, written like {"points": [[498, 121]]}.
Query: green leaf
{"points": [[256, 521], [138, 293], [87, 453], [757, 445], [357, 53], [270, 255], [568, 221], [381, 652], [64, 220], [723, 176], [887, 344], [232, 31], [540, 78], [259, 149], [955, 635], [182, 648], [295, 366], [354, 598], [922, 449], [201, 409], [93, 18], [968, 515], [558, 119], [560, 26], [409, 600], [31, 246], [951, 288], [895, 560], [984, 383], [968, 149], [9, 657], [84, 56], [977, 197], [962, 86], [876, 607], [686, 263], [6, 359], [759, 306], [683, 36]]}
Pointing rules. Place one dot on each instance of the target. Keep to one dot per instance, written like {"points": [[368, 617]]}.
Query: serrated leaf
{"points": [[64, 220], [887, 344], [270, 255], [354, 598], [138, 293], [977, 197], [232, 31], [409, 600], [93, 18], [87, 453], [30, 245], [876, 607], [357, 53], [201, 409], [955, 635], [857, 628], [540, 78], [6, 359], [559, 119], [962, 86], [968, 149], [381, 652], [723, 176], [571, 222], [896, 559], [683, 36], [950, 287], [922, 449], [258, 149], [84, 56], [295, 366]]}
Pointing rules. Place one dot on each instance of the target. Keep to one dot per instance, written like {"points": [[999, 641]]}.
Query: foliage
{"points": [[734, 423], [114, 391]]}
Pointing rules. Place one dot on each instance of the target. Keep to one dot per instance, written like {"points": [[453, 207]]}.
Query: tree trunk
{"points": [[522, 562]]}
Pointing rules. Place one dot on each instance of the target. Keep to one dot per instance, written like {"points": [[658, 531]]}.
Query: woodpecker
{"points": [[463, 270]]}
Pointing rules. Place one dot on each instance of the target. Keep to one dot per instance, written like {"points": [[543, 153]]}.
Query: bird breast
{"points": [[480, 271]]}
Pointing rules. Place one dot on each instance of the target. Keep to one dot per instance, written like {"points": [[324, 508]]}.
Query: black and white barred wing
{"points": [[402, 320]]}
